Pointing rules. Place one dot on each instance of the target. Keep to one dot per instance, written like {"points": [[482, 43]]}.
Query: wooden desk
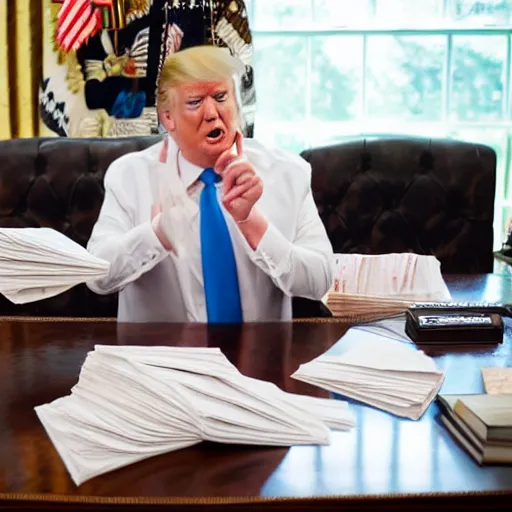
{"points": [[384, 462]]}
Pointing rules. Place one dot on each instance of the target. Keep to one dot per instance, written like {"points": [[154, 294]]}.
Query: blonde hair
{"points": [[196, 64]]}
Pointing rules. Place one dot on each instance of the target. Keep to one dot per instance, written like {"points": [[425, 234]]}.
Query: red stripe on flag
{"points": [[77, 21], [89, 29]]}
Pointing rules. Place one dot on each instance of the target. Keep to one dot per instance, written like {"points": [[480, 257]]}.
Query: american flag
{"points": [[76, 22]]}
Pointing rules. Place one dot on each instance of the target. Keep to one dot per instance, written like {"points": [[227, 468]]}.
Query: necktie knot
{"points": [[209, 176]]}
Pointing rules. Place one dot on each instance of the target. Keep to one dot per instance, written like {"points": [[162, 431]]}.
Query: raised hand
{"points": [[242, 186], [172, 215], [157, 207]]}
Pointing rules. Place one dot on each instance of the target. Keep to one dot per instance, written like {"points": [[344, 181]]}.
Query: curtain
{"points": [[20, 67], [106, 87]]}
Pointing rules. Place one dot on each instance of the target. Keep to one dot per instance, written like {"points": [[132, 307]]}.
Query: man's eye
{"points": [[193, 103], [221, 96]]}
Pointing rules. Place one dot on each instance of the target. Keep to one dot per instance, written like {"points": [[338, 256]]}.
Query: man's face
{"points": [[203, 120]]}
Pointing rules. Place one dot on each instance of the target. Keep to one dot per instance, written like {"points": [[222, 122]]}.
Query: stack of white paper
{"points": [[37, 263], [386, 374], [371, 287], [131, 403]]}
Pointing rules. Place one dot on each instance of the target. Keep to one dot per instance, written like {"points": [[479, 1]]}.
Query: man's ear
{"points": [[167, 121]]}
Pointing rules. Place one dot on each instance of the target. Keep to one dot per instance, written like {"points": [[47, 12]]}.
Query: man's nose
{"points": [[210, 110]]}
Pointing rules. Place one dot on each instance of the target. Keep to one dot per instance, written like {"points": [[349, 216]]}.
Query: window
{"points": [[333, 69]]}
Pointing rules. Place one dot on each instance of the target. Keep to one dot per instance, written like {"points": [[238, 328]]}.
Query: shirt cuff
{"points": [[145, 247], [273, 252]]}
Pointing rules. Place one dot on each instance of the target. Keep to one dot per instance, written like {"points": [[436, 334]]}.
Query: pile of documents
{"points": [[371, 287], [131, 403], [389, 375], [38, 263]]}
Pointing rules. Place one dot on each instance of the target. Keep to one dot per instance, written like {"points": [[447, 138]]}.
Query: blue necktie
{"points": [[219, 265]]}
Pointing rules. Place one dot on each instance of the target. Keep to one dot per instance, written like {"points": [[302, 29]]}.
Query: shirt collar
{"points": [[186, 171], [189, 173]]}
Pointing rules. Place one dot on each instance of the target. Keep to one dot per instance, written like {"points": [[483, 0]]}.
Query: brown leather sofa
{"points": [[374, 196]]}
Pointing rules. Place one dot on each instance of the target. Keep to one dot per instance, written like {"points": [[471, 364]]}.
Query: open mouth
{"points": [[215, 134]]}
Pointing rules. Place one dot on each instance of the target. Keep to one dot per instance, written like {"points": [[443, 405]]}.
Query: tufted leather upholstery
{"points": [[58, 183], [374, 196], [409, 195]]}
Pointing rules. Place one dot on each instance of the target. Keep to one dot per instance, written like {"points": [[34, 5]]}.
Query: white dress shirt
{"points": [[294, 257]]}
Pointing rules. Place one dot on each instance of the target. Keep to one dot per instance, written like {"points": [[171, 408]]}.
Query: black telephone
{"points": [[456, 322]]}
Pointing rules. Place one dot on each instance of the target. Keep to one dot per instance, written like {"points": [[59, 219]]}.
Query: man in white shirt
{"points": [[174, 260]]}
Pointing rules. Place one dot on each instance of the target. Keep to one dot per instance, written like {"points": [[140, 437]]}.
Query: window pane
{"points": [[341, 13], [477, 77], [480, 12], [404, 77], [290, 136], [336, 71], [408, 12], [290, 141], [286, 14], [507, 173], [280, 72]]}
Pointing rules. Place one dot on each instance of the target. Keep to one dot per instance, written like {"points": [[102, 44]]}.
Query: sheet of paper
{"points": [[27, 295], [399, 275], [372, 287], [376, 370], [497, 381], [379, 353]]}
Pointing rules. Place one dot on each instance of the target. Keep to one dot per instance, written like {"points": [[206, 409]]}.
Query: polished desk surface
{"points": [[383, 456]]}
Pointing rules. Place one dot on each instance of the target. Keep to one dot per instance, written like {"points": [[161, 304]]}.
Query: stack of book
{"points": [[481, 423], [132, 403], [371, 287]]}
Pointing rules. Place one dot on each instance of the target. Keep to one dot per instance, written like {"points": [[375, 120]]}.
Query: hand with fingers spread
{"points": [[172, 215], [242, 186]]}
